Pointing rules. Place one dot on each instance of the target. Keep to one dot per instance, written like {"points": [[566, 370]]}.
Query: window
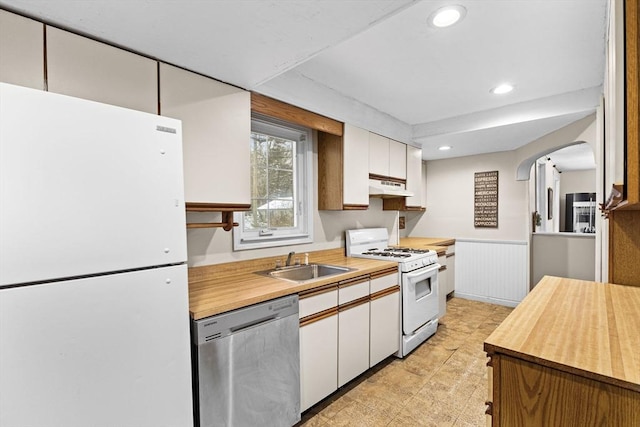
{"points": [[281, 187]]}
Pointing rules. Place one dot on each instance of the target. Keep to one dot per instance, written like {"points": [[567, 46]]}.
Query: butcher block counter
{"points": [[218, 288], [569, 354], [419, 242]]}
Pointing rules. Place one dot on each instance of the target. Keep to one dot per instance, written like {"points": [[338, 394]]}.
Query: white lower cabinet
{"points": [[345, 328], [451, 268], [353, 341], [384, 334], [318, 344], [318, 360], [385, 326], [443, 282]]}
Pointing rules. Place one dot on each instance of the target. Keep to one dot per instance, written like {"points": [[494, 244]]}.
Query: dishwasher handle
{"points": [[253, 323], [221, 325]]}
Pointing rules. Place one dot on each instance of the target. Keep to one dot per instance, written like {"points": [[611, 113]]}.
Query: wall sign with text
{"points": [[485, 204]]}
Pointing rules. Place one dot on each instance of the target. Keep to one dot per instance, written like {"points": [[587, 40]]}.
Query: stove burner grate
{"points": [[387, 253]]}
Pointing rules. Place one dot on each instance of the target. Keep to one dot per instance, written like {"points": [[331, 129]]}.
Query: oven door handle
{"points": [[423, 271]]}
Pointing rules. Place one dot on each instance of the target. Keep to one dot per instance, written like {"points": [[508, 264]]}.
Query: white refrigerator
{"points": [[94, 320]]}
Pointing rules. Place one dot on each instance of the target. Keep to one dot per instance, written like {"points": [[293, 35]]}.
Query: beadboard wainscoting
{"points": [[495, 271]]}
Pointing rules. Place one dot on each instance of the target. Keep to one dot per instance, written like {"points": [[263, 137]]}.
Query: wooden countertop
{"points": [[218, 288], [438, 244], [585, 328], [419, 242]]}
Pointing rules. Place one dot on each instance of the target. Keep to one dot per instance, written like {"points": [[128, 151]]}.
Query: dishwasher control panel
{"points": [[224, 324]]}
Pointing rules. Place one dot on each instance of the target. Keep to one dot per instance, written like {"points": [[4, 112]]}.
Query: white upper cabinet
{"points": [[216, 131], [387, 157], [378, 154], [21, 51], [414, 176], [397, 159], [356, 166], [84, 68]]}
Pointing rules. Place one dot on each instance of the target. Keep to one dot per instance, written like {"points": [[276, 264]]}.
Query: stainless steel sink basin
{"points": [[305, 273]]}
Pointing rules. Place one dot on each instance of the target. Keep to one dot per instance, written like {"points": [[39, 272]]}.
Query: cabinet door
{"points": [[21, 51], [318, 360], [353, 342], [216, 131], [356, 166], [451, 273], [385, 327], [414, 176], [84, 68], [397, 159], [378, 154], [489, 401], [443, 283]]}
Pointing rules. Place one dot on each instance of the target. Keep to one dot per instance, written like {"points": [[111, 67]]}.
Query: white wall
{"points": [[214, 246], [450, 196], [564, 255], [578, 182], [449, 205]]}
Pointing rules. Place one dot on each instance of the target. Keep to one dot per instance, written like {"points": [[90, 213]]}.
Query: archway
{"points": [[558, 247], [523, 172]]}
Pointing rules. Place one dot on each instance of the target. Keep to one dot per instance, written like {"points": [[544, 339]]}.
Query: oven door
{"points": [[419, 297]]}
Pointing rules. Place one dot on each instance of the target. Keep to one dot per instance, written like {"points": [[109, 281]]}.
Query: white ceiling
{"points": [[573, 158], [377, 63]]}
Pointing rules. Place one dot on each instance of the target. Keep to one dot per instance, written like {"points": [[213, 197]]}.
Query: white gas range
{"points": [[418, 276]]}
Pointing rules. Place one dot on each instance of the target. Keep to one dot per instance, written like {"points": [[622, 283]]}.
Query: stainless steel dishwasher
{"points": [[247, 366]]}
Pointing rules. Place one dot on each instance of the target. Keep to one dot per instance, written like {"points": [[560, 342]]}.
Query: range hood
{"points": [[387, 189]]}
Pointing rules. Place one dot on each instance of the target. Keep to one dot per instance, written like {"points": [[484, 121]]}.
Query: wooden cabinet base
{"points": [[624, 247], [527, 394]]}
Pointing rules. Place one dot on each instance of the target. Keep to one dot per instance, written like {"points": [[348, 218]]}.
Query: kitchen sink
{"points": [[305, 273]]}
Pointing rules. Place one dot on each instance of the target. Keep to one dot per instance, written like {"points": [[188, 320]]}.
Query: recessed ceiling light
{"points": [[444, 148], [502, 89], [447, 16]]}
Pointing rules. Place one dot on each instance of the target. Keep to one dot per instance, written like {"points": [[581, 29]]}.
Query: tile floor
{"points": [[441, 383]]}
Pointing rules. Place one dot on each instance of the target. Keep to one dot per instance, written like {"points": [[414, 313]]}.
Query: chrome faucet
{"points": [[288, 263]]}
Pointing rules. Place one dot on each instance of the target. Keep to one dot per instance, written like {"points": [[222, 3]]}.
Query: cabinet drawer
{"points": [[442, 260], [352, 290], [318, 300], [384, 282]]}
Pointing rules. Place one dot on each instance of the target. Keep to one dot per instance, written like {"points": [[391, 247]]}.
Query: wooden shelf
{"points": [[400, 204], [227, 211], [215, 207]]}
